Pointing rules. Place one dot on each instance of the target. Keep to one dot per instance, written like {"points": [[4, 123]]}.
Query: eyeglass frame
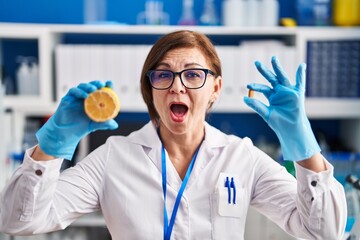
{"points": [[205, 70]]}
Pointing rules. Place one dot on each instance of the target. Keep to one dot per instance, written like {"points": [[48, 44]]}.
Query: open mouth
{"points": [[178, 111]]}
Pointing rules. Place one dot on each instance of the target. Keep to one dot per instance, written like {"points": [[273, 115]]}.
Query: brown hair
{"points": [[171, 41]]}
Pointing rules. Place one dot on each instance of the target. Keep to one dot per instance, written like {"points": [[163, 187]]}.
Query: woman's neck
{"points": [[181, 147]]}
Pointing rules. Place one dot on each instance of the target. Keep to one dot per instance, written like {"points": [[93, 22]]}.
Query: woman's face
{"points": [[183, 110]]}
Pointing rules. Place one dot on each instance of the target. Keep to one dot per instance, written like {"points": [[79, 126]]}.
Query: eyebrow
{"points": [[186, 65]]}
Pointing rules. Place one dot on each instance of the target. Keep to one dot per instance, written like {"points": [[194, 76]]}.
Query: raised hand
{"points": [[286, 111], [63, 131]]}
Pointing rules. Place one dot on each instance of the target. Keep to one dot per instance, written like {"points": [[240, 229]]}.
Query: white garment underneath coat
{"points": [[122, 178]]}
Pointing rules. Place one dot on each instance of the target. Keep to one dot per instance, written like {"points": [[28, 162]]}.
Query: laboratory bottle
{"points": [[94, 11], [209, 16], [313, 12], [234, 12], [346, 12], [153, 14], [322, 12], [305, 12], [253, 13], [269, 13], [23, 78], [34, 79], [187, 16]]}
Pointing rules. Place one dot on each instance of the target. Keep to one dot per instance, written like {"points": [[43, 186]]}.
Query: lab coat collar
{"points": [[148, 138], [214, 138]]}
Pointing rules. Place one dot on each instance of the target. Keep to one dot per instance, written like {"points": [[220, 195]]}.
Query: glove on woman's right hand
{"points": [[61, 134], [286, 111]]}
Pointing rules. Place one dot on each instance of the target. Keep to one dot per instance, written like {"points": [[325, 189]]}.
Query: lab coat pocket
{"points": [[228, 209], [229, 204]]}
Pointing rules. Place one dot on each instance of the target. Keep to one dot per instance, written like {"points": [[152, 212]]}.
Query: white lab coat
{"points": [[123, 179]]}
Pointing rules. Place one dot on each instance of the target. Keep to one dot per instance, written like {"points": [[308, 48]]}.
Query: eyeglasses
{"points": [[193, 78]]}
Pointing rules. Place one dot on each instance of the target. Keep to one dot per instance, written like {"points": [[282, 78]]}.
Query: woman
{"points": [[179, 177]]}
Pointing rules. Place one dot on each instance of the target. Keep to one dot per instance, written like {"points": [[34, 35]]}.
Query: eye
{"points": [[192, 74], [163, 74]]}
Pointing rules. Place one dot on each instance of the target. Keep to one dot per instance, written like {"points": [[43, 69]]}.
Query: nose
{"points": [[177, 86]]}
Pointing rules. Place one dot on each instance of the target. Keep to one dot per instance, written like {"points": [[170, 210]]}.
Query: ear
{"points": [[217, 88]]}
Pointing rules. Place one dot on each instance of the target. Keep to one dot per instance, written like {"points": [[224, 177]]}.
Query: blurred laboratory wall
{"points": [[71, 12]]}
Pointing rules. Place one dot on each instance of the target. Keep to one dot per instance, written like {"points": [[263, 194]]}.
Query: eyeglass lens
{"points": [[191, 78]]}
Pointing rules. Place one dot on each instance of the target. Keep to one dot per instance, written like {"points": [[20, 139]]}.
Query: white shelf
{"points": [[316, 108], [332, 108], [21, 30], [145, 29], [46, 42], [49, 35], [30, 105]]}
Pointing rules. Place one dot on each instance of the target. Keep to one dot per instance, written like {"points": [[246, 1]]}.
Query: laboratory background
{"points": [[46, 47]]}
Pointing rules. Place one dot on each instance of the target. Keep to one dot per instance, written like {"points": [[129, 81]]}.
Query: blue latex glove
{"points": [[286, 111], [63, 131]]}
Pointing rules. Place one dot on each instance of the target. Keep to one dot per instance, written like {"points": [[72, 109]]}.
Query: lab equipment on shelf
{"points": [[27, 76], [94, 11], [187, 16], [313, 12], [346, 12], [250, 13], [209, 15], [253, 13], [234, 12], [354, 181], [269, 13], [119, 63], [153, 14]]}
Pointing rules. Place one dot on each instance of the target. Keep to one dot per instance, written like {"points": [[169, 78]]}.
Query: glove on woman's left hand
{"points": [[61, 134], [286, 111]]}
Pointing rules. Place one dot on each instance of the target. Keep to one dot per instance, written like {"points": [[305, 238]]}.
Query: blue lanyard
{"points": [[169, 226]]}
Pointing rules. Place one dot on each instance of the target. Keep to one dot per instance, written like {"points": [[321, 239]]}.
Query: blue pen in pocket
{"points": [[229, 194], [227, 185], [232, 185]]}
